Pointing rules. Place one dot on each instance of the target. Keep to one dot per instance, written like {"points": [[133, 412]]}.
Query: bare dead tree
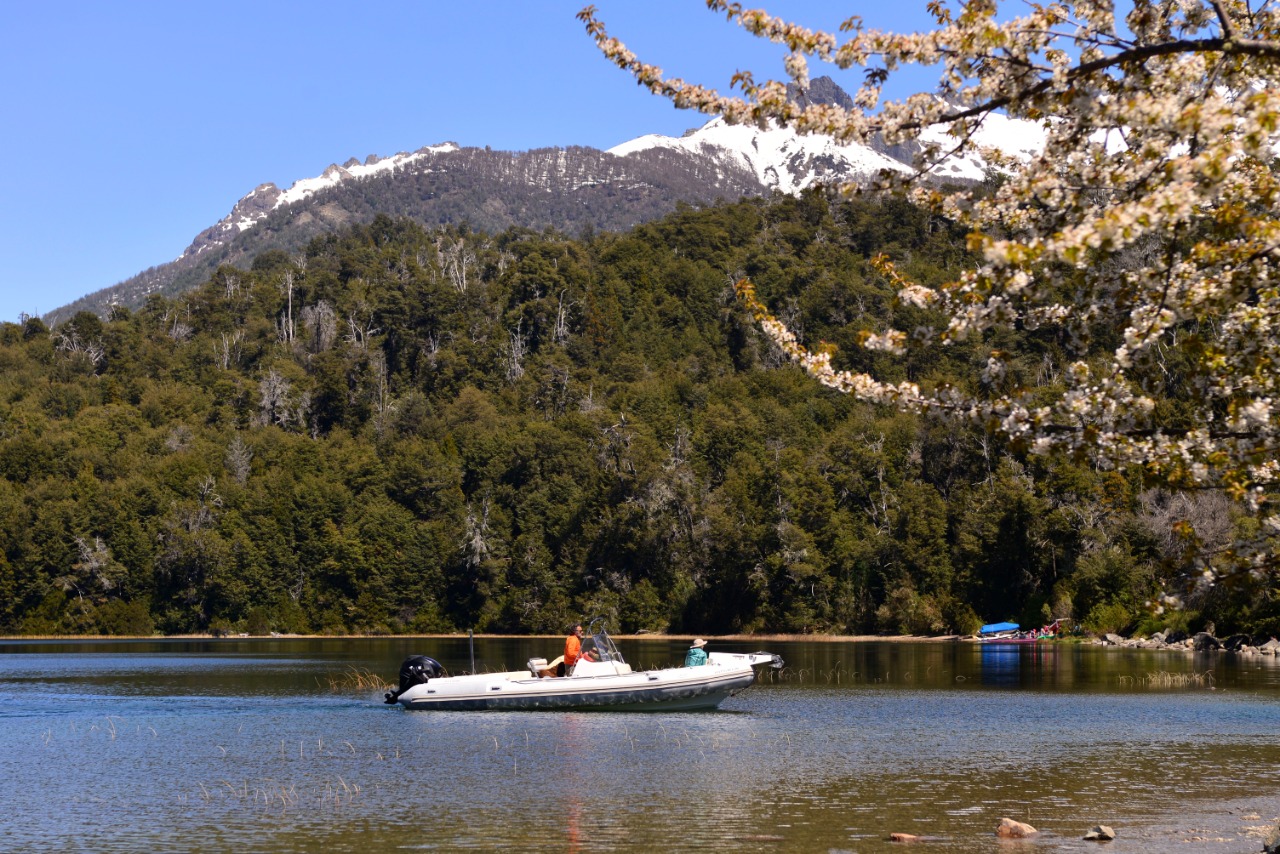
{"points": [[238, 459], [231, 286], [92, 572], [285, 329], [505, 260], [360, 330], [560, 332], [204, 513], [475, 545], [515, 349], [431, 349], [227, 350], [321, 324], [1183, 521], [384, 406], [456, 259], [880, 507], [589, 403], [178, 328], [273, 399], [66, 339], [179, 438]]}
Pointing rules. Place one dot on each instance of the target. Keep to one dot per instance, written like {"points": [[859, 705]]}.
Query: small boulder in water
{"points": [[1010, 829], [1101, 833]]}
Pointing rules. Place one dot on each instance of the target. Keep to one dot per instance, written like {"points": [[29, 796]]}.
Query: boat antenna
{"points": [[472, 642]]}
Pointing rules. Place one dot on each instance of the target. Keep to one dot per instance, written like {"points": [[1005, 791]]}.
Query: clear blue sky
{"points": [[129, 127]]}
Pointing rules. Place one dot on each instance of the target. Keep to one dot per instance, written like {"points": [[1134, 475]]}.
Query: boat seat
{"points": [[541, 668]]}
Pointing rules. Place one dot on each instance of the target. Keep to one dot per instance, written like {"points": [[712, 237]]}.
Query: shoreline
{"points": [[488, 636], [1191, 645]]}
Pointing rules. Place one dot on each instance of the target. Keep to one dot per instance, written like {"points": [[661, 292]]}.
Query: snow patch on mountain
{"points": [[780, 158], [353, 168], [1014, 138], [789, 162], [253, 208]]}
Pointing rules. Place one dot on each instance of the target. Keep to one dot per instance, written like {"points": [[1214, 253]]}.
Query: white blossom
{"points": [[1151, 218]]}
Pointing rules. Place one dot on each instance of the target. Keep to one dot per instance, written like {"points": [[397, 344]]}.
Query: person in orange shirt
{"points": [[572, 649]]}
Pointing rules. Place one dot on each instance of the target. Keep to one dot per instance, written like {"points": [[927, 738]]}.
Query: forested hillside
{"points": [[412, 430]]}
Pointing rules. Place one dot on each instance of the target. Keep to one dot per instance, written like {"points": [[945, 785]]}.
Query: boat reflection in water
{"points": [[1002, 665]]}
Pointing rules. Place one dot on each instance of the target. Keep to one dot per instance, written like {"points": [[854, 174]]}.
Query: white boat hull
{"points": [[592, 687]]}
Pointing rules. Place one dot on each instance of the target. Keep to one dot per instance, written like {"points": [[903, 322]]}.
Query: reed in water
{"points": [[1164, 679]]}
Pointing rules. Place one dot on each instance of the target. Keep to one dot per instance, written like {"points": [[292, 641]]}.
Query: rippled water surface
{"points": [[269, 745]]}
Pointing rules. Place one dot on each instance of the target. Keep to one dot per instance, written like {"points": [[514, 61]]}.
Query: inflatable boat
{"points": [[601, 680]]}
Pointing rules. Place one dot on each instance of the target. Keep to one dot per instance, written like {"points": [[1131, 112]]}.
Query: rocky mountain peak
{"points": [[821, 90]]}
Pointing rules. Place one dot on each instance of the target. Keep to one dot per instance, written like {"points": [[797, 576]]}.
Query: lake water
{"points": [[270, 745]]}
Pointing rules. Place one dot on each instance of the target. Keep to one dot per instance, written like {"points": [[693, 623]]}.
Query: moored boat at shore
{"points": [[1014, 633], [601, 680]]}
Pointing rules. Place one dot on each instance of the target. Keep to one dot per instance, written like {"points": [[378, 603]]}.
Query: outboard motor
{"points": [[416, 670]]}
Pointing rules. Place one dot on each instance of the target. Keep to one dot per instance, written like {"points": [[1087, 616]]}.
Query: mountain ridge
{"points": [[568, 189]]}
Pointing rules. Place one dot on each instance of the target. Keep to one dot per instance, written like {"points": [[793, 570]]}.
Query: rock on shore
{"points": [[1199, 642]]}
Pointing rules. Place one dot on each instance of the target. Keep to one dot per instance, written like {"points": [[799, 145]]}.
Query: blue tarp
{"points": [[992, 628]]}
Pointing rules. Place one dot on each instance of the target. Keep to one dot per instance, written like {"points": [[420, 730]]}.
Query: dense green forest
{"points": [[412, 430]]}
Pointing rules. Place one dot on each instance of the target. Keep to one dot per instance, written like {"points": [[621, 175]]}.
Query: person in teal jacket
{"points": [[696, 656]]}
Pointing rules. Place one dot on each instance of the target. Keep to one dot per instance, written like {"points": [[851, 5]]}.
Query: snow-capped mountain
{"points": [[781, 160], [567, 189], [788, 162], [265, 198]]}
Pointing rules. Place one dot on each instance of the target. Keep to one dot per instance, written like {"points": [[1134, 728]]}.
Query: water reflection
{"points": [[577, 785], [1001, 665], [245, 745]]}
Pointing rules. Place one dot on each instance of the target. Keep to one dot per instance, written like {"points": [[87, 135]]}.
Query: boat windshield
{"points": [[601, 643]]}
